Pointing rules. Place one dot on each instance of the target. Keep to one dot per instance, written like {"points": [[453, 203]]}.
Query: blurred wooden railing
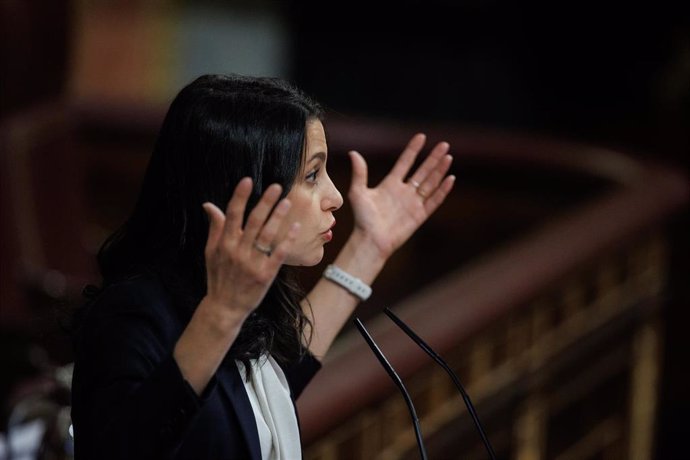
{"points": [[555, 335], [548, 309]]}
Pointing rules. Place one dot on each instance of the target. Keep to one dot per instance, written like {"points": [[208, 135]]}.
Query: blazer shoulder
{"points": [[144, 294], [141, 299]]}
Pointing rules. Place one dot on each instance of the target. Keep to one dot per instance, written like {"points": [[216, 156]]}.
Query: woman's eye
{"points": [[311, 177]]}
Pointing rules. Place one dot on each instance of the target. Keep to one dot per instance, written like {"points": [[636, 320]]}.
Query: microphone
{"points": [[398, 381], [436, 357]]}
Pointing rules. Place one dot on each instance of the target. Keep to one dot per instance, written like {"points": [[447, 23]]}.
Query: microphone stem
{"points": [[398, 381], [436, 357]]}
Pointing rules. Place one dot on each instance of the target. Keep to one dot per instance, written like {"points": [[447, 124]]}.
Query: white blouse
{"points": [[276, 422]]}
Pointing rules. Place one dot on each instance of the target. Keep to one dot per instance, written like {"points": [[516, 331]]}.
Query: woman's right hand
{"points": [[241, 263]]}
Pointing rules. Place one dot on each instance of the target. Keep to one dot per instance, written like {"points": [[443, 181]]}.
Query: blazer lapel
{"points": [[231, 382]]}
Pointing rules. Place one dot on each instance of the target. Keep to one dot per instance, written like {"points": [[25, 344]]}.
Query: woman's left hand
{"points": [[391, 212]]}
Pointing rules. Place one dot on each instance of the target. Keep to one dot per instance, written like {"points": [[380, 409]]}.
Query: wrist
{"points": [[361, 257], [367, 244], [352, 284], [218, 319]]}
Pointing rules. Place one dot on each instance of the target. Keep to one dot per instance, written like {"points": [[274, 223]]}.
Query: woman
{"points": [[198, 342]]}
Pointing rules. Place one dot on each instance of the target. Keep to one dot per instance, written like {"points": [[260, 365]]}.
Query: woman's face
{"points": [[314, 199]]}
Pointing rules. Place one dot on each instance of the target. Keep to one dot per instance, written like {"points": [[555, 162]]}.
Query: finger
{"points": [[215, 230], [429, 185], [407, 157], [234, 212], [258, 216], [268, 233], [430, 163], [360, 171], [283, 248], [435, 200]]}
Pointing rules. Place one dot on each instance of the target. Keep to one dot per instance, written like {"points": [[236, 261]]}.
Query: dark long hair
{"points": [[218, 129]]}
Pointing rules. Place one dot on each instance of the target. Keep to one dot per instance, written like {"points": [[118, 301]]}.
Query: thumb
{"points": [[216, 220], [359, 170]]}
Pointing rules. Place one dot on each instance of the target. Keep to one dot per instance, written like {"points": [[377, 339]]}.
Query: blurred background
{"points": [[555, 278]]}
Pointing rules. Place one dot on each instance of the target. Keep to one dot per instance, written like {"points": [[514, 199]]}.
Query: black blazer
{"points": [[129, 400]]}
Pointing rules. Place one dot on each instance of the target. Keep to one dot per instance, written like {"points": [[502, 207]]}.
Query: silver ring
{"points": [[423, 195], [413, 183], [263, 249]]}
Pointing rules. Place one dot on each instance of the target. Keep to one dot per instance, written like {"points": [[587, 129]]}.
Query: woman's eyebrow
{"points": [[318, 155]]}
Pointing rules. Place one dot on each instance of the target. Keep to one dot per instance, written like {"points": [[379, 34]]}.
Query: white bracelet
{"points": [[355, 285]]}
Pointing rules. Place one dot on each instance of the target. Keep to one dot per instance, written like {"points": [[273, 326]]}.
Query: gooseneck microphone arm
{"points": [[435, 356], [398, 381]]}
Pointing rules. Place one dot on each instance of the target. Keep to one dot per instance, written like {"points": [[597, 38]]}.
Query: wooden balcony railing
{"points": [[555, 335], [541, 281]]}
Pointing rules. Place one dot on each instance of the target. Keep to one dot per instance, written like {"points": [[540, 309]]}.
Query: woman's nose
{"points": [[332, 200]]}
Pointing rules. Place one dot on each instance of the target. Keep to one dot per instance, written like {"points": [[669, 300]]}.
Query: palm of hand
{"points": [[389, 213], [241, 263], [393, 210]]}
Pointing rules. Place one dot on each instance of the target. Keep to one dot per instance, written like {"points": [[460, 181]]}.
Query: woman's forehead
{"points": [[316, 139]]}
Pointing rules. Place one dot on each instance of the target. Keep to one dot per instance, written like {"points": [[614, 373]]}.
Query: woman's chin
{"points": [[302, 260]]}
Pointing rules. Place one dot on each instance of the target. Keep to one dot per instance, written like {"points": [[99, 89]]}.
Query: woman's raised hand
{"points": [[391, 212], [241, 263]]}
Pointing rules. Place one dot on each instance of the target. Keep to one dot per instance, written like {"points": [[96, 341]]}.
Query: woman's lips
{"points": [[327, 235]]}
